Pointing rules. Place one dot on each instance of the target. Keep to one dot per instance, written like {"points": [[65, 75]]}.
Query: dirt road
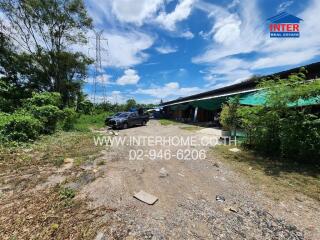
{"points": [[188, 207], [91, 196]]}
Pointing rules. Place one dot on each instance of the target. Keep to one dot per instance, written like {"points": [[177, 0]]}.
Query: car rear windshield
{"points": [[124, 115]]}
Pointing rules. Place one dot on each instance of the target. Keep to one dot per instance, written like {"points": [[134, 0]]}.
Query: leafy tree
{"points": [[12, 87], [44, 31], [131, 103]]}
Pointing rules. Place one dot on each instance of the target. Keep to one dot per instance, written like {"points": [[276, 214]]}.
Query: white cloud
{"points": [[113, 97], [120, 49], [187, 35], [117, 97], [289, 58], [234, 3], [180, 13], [226, 72], [101, 79], [283, 6], [134, 11], [232, 33], [126, 49], [171, 89], [227, 30], [130, 77], [166, 49]]}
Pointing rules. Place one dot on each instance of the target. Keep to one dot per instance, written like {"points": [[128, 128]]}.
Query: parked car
{"points": [[127, 119], [113, 116]]}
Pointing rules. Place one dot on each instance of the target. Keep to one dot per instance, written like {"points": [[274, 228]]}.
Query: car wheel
{"points": [[144, 123], [125, 125]]}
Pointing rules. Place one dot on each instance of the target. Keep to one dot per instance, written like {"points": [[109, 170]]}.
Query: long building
{"points": [[206, 106]]}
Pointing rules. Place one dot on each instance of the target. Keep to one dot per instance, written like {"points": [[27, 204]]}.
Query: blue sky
{"points": [[165, 49]]}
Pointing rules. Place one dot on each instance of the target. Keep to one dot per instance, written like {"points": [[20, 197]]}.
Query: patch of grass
{"points": [[96, 121], [67, 193], [190, 128], [166, 122], [58, 161], [279, 177], [50, 149], [66, 196], [45, 217]]}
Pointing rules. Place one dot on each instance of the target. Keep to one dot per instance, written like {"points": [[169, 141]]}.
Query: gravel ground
{"points": [[187, 207], [197, 199]]}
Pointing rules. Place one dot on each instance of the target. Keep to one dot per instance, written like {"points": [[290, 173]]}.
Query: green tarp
{"points": [[209, 104], [259, 98], [253, 99]]}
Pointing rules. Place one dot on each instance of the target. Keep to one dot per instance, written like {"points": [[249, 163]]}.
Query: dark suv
{"points": [[127, 119]]}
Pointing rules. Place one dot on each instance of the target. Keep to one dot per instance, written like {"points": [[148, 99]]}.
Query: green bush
{"points": [[85, 107], [280, 128], [20, 126], [67, 193], [43, 99], [300, 136], [49, 115], [69, 118]]}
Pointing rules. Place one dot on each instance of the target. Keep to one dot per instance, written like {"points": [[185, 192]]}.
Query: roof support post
{"points": [[195, 114]]}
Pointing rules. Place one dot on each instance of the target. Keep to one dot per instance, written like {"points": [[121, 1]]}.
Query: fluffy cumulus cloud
{"points": [[169, 90], [141, 12], [126, 49], [130, 77], [227, 30], [234, 33], [180, 13], [187, 34], [136, 12]]}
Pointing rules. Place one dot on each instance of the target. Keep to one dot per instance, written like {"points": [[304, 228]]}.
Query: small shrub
{"points": [[49, 115], [66, 193], [69, 118], [229, 117], [85, 107], [20, 126], [58, 161]]}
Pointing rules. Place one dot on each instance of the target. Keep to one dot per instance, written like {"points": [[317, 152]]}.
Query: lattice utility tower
{"points": [[97, 63]]}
